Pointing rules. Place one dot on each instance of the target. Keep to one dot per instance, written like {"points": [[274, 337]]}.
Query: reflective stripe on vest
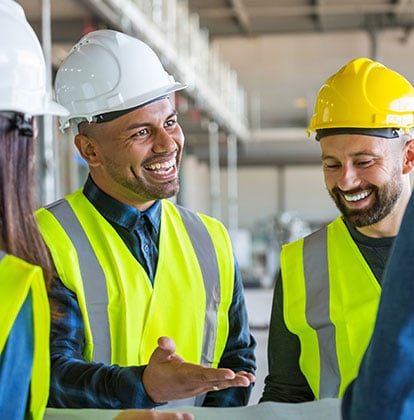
{"points": [[315, 262], [206, 255], [92, 270]]}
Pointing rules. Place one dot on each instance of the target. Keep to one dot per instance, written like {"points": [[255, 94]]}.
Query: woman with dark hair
{"points": [[25, 266]]}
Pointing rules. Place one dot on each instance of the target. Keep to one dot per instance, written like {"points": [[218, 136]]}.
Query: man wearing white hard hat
{"points": [[145, 285], [25, 266]]}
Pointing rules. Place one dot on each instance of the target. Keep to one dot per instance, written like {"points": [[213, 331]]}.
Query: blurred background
{"points": [[253, 69]]}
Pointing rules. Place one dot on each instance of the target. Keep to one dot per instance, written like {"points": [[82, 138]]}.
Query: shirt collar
{"points": [[116, 212]]}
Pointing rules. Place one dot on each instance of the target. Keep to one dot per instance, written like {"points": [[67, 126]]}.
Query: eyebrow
{"points": [[357, 154], [145, 123]]}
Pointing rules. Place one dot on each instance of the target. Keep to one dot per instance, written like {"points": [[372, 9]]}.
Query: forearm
{"points": [[81, 384]]}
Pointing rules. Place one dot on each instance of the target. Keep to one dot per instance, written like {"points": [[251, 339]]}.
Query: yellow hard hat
{"points": [[364, 94]]}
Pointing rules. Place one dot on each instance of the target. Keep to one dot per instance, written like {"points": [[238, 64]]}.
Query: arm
{"points": [[152, 415], [285, 381], [77, 383], [238, 354]]}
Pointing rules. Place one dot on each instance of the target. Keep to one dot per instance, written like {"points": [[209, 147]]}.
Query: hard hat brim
{"points": [[53, 108]]}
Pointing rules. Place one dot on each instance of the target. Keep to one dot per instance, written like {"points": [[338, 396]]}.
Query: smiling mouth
{"points": [[357, 197], [162, 168]]}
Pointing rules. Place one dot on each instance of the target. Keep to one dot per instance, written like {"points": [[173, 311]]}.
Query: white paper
{"points": [[326, 409]]}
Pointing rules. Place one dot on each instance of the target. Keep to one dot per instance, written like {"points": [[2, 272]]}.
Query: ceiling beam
{"points": [[241, 15], [306, 10]]}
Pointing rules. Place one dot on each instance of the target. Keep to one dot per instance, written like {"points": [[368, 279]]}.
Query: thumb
{"points": [[165, 350], [167, 344]]}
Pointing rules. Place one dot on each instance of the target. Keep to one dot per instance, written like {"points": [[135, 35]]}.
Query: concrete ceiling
{"points": [[281, 50]]}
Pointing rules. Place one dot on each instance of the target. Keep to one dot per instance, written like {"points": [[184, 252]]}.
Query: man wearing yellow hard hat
{"points": [[325, 302]]}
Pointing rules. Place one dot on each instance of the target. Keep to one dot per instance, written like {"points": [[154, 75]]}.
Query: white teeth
{"points": [[165, 165], [356, 197]]}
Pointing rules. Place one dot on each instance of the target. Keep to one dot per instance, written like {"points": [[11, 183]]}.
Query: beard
{"points": [[384, 202], [149, 192], [142, 188]]}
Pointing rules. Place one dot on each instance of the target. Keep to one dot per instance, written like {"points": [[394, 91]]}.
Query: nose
{"points": [[164, 142], [348, 178]]}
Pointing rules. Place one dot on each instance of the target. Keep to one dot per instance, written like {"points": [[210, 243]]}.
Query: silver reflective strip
{"points": [[93, 278], [206, 255], [207, 258], [2, 255], [315, 260]]}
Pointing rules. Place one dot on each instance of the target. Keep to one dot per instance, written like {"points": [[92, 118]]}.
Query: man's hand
{"points": [[168, 377], [152, 415]]}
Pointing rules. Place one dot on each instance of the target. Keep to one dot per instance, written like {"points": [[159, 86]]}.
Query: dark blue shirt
{"points": [[77, 383]]}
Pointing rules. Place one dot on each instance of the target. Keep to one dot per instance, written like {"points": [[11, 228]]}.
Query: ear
{"points": [[408, 164], [87, 149]]}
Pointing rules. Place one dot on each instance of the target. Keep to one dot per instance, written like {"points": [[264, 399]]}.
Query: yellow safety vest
{"points": [[330, 299], [136, 312], [17, 279]]}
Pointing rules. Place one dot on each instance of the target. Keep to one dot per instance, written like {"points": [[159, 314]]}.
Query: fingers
{"points": [[226, 377], [168, 377], [249, 376], [241, 379], [152, 415]]}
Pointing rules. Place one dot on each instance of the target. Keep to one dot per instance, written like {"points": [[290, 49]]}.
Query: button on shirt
{"points": [[112, 386]]}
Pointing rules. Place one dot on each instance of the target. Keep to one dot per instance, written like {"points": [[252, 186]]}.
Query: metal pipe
{"points": [[214, 161], [49, 176], [233, 210]]}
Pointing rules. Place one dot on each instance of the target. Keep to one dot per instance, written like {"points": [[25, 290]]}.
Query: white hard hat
{"points": [[22, 66], [109, 71]]}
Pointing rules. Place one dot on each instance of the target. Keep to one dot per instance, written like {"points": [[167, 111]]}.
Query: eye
{"points": [[171, 122], [364, 163], [140, 133], [331, 165]]}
